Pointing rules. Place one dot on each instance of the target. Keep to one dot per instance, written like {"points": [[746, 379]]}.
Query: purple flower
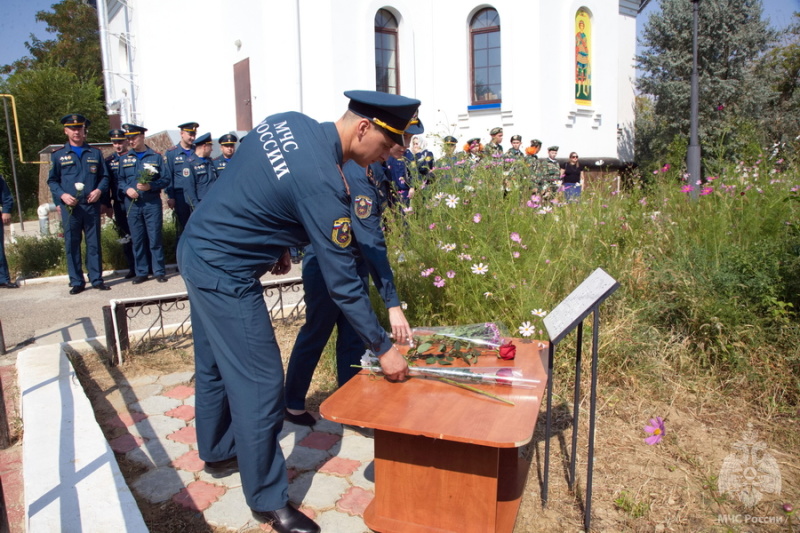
{"points": [[515, 254], [687, 188], [427, 272], [515, 237], [476, 218], [451, 274], [432, 226], [438, 281], [656, 430], [706, 191]]}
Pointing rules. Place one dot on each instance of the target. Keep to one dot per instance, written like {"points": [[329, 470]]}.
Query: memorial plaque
{"points": [[580, 302]]}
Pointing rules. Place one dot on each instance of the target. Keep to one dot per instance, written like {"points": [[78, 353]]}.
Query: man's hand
{"points": [[132, 193], [6, 218], [283, 265], [93, 196], [394, 366], [69, 200], [401, 330], [143, 186], [171, 203]]}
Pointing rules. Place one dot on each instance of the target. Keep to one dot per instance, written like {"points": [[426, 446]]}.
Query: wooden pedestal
{"points": [[446, 459]]}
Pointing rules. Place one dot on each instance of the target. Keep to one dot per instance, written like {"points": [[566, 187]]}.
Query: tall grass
{"points": [[707, 286]]}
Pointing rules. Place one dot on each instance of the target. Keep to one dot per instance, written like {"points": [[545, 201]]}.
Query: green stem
{"points": [[474, 389]]}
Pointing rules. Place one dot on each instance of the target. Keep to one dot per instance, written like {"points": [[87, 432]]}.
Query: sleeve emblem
{"points": [[341, 234], [363, 205]]}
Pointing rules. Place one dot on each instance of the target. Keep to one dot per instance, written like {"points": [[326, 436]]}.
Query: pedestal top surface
{"points": [[442, 411]]}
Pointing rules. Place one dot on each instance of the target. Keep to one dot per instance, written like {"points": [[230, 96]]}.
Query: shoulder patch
{"points": [[341, 234], [363, 206]]}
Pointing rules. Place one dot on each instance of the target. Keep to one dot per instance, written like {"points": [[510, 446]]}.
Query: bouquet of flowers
{"points": [[144, 177], [79, 186], [465, 342], [461, 377]]}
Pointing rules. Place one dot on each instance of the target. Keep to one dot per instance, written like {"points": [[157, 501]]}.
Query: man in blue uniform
{"points": [[6, 205], [77, 180], [227, 144], [141, 179], [284, 188], [115, 202], [368, 201], [198, 172], [173, 160]]}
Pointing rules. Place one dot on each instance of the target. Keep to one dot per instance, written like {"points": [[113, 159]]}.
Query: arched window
{"points": [[387, 76], [485, 39]]}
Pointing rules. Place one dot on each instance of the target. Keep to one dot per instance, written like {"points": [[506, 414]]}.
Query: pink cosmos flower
{"points": [[438, 281], [427, 272], [687, 189], [656, 430], [515, 237], [476, 218], [432, 226], [515, 254], [451, 274], [706, 191]]}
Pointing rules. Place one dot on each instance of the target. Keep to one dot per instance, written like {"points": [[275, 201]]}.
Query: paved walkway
{"points": [[330, 467]]}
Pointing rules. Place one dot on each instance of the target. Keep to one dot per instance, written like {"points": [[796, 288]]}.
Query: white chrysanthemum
{"points": [[79, 186], [149, 167], [480, 268], [452, 200]]}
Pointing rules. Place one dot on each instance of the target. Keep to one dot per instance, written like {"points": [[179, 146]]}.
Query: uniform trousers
{"points": [[145, 219], [123, 230], [239, 379], [84, 220], [322, 314], [182, 210], [4, 275]]}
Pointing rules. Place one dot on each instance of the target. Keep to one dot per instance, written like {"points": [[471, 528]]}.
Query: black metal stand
{"points": [[568, 315]]}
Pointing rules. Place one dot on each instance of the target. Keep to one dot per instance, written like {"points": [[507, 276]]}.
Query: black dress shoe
{"points": [[102, 287], [130, 274], [305, 419], [76, 290], [287, 520], [161, 279], [9, 285], [139, 279], [219, 469]]}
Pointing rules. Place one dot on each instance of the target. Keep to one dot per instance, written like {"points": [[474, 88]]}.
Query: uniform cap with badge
{"points": [[191, 127], [116, 135], [553, 148], [392, 112], [495, 131], [450, 140], [75, 120], [203, 139], [516, 138], [133, 129], [228, 138]]}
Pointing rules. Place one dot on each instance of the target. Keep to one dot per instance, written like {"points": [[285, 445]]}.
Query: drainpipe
{"points": [[43, 211]]}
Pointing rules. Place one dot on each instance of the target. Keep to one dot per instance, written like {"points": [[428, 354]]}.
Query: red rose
{"points": [[507, 351]]}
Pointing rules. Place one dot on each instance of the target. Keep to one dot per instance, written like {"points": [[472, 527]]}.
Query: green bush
{"points": [[707, 285], [31, 257]]}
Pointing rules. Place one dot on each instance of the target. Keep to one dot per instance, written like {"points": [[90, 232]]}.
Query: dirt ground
{"points": [[711, 441]]}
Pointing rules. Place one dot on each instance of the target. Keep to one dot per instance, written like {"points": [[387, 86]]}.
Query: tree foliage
{"points": [[732, 35], [62, 75], [76, 45]]}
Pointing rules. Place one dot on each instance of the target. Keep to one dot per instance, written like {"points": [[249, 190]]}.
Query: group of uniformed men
{"points": [[128, 184]]}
